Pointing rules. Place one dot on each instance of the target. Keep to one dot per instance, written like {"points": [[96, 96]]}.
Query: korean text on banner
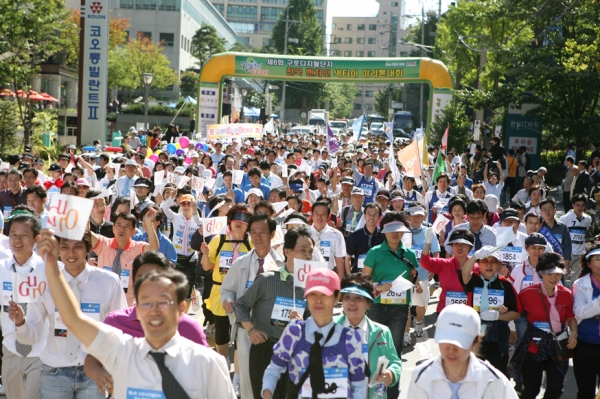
{"points": [[234, 130], [69, 216], [302, 268], [214, 226]]}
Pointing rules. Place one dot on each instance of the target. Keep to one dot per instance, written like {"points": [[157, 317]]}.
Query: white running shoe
{"points": [[406, 339], [419, 328], [209, 331]]}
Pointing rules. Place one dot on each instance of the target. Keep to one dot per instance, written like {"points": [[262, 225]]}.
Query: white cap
{"points": [[207, 173], [131, 162], [492, 202], [254, 191], [395, 227], [179, 169], [457, 325], [416, 210], [193, 154]]}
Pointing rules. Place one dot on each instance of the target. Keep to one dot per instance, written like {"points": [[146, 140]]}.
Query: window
{"points": [[267, 26], [394, 4], [281, 2], [220, 8], [242, 27], [270, 13], [357, 107], [347, 53], [169, 5], [267, 41], [372, 27], [360, 40], [145, 4], [333, 26], [145, 34], [182, 42], [242, 12], [337, 40], [360, 53], [320, 16], [372, 40], [360, 27], [244, 40], [358, 94], [126, 3], [369, 107], [370, 54], [318, 3], [369, 93], [349, 27], [348, 40], [167, 38], [335, 53]]}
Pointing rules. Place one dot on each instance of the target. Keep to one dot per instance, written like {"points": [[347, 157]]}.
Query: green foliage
{"points": [[189, 83], [382, 99], [459, 134], [415, 35], [206, 43], [341, 99], [26, 30], [9, 121], [240, 48], [160, 110], [136, 109]]}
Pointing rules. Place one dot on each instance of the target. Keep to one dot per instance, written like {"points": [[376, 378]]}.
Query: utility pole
{"points": [[422, 44], [285, 44]]}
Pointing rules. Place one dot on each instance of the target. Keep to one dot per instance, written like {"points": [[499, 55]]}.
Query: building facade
{"points": [[254, 20], [376, 36]]}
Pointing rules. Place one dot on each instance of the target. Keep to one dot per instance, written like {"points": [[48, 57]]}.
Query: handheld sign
{"points": [[214, 226], [27, 288], [209, 183], [68, 215], [238, 175], [302, 268], [159, 177], [440, 222], [182, 181], [278, 206], [278, 238]]}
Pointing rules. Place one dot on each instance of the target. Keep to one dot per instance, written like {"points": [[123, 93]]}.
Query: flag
{"points": [[423, 152], [269, 126], [357, 126], [396, 175], [389, 131], [409, 158], [445, 139], [440, 166], [332, 144]]}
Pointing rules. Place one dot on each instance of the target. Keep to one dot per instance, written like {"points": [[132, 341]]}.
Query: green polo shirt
{"points": [[387, 267]]}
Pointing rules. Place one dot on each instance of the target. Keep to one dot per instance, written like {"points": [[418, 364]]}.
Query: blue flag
{"points": [[357, 126]]}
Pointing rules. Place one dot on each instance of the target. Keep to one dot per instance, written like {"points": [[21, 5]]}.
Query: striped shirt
{"points": [[257, 303]]}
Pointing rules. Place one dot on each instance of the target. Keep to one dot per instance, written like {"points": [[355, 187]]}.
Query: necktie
{"points": [[485, 294], [171, 388], [454, 388], [72, 346], [353, 222], [22, 349], [116, 266], [478, 243], [260, 270], [317, 376]]}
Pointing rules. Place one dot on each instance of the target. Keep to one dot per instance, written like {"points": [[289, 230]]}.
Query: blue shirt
{"points": [[238, 195], [165, 246], [246, 182], [266, 190]]}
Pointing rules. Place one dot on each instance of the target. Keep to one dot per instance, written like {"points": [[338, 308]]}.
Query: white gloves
{"points": [[482, 253], [489, 315], [429, 235]]}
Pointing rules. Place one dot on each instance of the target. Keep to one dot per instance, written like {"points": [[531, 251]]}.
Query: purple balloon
{"points": [[198, 146], [179, 152]]}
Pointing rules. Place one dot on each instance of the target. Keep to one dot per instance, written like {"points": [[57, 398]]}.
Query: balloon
{"points": [[171, 148], [188, 160], [154, 158], [149, 153], [199, 147], [157, 152], [184, 142], [179, 152], [204, 147], [178, 145]]}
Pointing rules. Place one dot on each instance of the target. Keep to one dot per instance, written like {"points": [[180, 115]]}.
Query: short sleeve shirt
{"points": [[501, 285], [531, 302], [330, 242]]}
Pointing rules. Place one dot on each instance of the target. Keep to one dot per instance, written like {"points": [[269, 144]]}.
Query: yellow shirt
{"points": [[512, 163]]}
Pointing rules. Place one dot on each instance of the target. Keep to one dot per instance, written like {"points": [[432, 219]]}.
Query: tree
{"points": [[430, 31], [459, 134], [383, 97], [128, 63], [240, 48], [341, 99], [189, 83], [27, 34], [206, 43], [9, 120]]}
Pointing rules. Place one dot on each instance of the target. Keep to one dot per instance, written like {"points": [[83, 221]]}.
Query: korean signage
{"points": [[209, 105], [440, 100], [524, 131], [95, 70], [234, 130], [314, 69]]}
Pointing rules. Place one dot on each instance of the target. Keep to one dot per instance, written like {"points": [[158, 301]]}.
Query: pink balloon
{"points": [[188, 160], [184, 141], [154, 158]]}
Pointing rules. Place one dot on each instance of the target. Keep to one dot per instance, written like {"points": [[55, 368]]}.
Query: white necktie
{"points": [[72, 347]]}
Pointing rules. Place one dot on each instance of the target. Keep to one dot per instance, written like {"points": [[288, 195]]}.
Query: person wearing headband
{"points": [[586, 306], [549, 308], [496, 301], [377, 341], [385, 263], [218, 256]]}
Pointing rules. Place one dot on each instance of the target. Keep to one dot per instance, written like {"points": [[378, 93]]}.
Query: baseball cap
{"points": [[193, 154], [141, 182], [254, 191], [347, 180], [297, 186], [383, 193], [187, 197], [510, 214], [83, 182], [131, 162], [416, 210], [356, 290], [55, 168], [457, 325], [207, 173], [492, 202], [324, 281], [64, 156], [179, 169], [395, 227], [358, 191], [536, 239]]}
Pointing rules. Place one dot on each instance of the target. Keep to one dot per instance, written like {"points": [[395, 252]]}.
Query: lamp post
{"points": [[147, 81], [285, 44]]}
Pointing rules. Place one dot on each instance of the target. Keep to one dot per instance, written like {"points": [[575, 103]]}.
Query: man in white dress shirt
{"points": [[162, 364], [98, 292]]}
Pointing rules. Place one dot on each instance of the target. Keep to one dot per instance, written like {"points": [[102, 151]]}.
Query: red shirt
{"points": [[531, 303], [447, 270]]}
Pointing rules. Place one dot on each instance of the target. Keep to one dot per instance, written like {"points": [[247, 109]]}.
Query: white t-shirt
{"points": [[330, 242]]}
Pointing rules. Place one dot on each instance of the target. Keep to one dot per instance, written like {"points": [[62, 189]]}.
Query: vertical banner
{"points": [[95, 70], [208, 103], [441, 97]]}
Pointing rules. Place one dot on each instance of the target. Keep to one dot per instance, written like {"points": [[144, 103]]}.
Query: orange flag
{"points": [[409, 158]]}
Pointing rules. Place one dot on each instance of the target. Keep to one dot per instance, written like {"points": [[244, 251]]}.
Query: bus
{"points": [[404, 124]]}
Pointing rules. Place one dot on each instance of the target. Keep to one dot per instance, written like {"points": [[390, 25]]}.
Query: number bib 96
{"points": [[495, 299], [282, 308]]}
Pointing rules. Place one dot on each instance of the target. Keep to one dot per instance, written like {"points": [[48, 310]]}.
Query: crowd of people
{"points": [[119, 316]]}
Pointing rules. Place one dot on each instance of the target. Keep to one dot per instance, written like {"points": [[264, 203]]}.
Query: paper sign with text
{"points": [[238, 176], [214, 226], [29, 288], [440, 222], [302, 268], [69, 216], [278, 238]]}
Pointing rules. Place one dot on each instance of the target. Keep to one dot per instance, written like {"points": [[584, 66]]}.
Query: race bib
{"points": [[280, 316], [225, 261], [368, 190], [542, 325], [418, 248], [495, 299], [325, 247], [249, 283], [392, 297], [577, 235], [511, 256], [7, 295], [456, 297], [361, 261], [350, 227], [339, 377], [125, 274], [7, 211], [375, 168], [91, 310], [527, 282], [135, 393]]}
